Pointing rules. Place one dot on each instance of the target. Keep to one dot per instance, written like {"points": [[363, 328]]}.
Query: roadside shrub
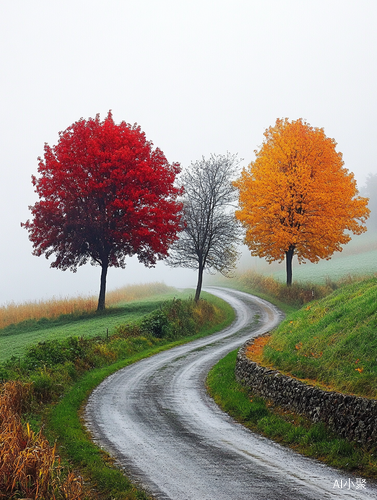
{"points": [[178, 318], [156, 324], [52, 352], [127, 330], [43, 386], [46, 353], [4, 374], [126, 347], [203, 313], [182, 318], [101, 354]]}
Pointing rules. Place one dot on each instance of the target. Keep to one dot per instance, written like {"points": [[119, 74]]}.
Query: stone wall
{"points": [[354, 418]]}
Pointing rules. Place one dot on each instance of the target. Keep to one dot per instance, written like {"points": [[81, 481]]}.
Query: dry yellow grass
{"points": [[29, 466], [136, 292], [55, 307]]}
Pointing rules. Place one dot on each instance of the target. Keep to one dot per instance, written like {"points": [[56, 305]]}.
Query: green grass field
{"points": [[15, 339]]}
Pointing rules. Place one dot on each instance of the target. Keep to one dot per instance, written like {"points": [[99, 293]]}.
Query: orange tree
{"points": [[297, 197]]}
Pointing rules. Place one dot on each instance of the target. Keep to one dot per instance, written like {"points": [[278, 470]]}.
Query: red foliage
{"points": [[105, 194]]}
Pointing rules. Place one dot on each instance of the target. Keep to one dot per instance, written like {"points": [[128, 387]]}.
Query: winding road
{"points": [[157, 420]]}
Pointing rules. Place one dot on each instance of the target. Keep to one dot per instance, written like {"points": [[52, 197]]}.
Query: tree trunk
{"points": [[289, 257], [199, 285], [102, 292]]}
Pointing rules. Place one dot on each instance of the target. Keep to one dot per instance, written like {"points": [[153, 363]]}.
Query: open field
{"points": [[55, 307], [14, 339]]}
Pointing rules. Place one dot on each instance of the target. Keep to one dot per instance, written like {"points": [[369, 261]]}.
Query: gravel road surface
{"points": [[157, 420]]}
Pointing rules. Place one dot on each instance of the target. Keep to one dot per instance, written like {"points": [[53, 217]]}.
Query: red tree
{"points": [[105, 194]]}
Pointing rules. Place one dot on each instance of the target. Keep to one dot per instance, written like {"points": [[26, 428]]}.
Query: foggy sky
{"points": [[199, 77]]}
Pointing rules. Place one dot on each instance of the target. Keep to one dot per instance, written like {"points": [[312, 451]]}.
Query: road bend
{"points": [[156, 419]]}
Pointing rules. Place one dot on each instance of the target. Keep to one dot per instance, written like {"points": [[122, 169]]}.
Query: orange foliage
{"points": [[254, 351], [297, 196]]}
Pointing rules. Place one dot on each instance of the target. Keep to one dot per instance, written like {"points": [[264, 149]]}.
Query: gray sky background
{"points": [[199, 77]]}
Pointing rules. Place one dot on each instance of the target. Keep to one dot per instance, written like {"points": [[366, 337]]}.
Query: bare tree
{"points": [[211, 233]]}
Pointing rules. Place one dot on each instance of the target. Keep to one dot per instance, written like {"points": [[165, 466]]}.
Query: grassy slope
{"points": [[333, 341], [15, 339]]}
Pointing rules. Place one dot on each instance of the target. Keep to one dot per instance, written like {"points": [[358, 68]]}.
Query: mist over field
{"points": [[199, 78], [359, 257]]}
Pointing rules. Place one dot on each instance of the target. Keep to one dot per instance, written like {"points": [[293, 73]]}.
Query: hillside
{"points": [[332, 341]]}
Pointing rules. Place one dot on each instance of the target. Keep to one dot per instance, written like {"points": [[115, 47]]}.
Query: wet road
{"points": [[171, 438]]}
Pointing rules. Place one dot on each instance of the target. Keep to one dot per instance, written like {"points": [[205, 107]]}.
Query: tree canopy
{"points": [[210, 232], [104, 194], [297, 197]]}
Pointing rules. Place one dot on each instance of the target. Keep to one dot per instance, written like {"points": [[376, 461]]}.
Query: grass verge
{"points": [[286, 428]]}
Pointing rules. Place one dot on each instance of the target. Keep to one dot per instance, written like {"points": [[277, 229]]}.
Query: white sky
{"points": [[199, 77]]}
